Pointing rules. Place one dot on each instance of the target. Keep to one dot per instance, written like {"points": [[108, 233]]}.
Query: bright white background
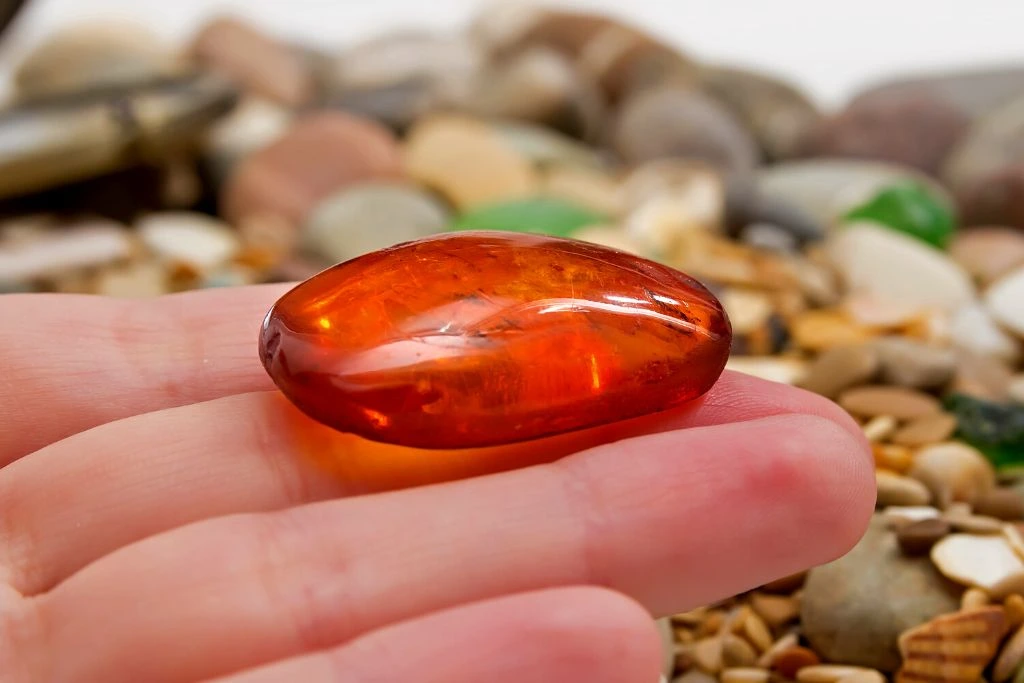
{"points": [[830, 47]]}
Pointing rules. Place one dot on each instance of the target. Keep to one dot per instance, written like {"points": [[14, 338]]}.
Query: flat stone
{"points": [[783, 370], [368, 217], [954, 472], [887, 264], [917, 538], [1005, 301], [1010, 657], [467, 162], [821, 330], [911, 364], [93, 54], [903, 404], [980, 376], [894, 489], [1001, 503], [254, 124], [192, 239], [547, 148], [986, 562], [988, 253], [926, 430], [972, 328], [140, 280], [589, 188], [84, 245], [320, 154], [666, 122], [854, 608], [840, 368]]}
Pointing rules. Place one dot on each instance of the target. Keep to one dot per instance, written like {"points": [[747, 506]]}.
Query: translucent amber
{"points": [[484, 338]]}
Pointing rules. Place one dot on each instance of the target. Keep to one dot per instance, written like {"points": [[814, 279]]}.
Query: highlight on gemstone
{"points": [[474, 339]]}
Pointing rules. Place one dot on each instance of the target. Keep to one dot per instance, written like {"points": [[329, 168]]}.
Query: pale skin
{"points": [[165, 516]]}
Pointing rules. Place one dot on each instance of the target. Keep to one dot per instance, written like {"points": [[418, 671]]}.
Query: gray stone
{"points": [[909, 363], [368, 217], [975, 91], [854, 608]]}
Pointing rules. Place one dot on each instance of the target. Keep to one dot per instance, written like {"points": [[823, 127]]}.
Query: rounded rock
{"points": [[854, 608], [973, 329], [667, 122], [319, 155], [903, 404], [926, 430], [193, 239], [840, 368], [880, 262], [1005, 301], [364, 218], [894, 489], [1001, 503], [988, 253], [467, 161], [908, 363], [917, 538], [954, 472]]}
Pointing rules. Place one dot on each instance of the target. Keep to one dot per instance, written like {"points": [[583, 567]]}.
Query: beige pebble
{"points": [[986, 562], [973, 598], [840, 368], [1005, 301], [84, 245], [985, 377], [822, 329], [909, 363], [880, 313], [975, 524], [894, 489], [1010, 657], [748, 310], [1016, 388], [1001, 503], [898, 459], [744, 675], [775, 610], [954, 472], [609, 236], [973, 329], [936, 649], [897, 516], [135, 281], [988, 253], [901, 403], [192, 239], [784, 643], [880, 428], [828, 673], [757, 632], [695, 676], [587, 187], [783, 370], [707, 654], [926, 430], [467, 161], [864, 676], [737, 652]]}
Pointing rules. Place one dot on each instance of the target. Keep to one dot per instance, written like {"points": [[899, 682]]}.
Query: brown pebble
{"points": [[254, 60], [322, 153], [988, 253], [901, 403], [707, 654], [1014, 606], [974, 524], [926, 430], [744, 675], [737, 652], [917, 538], [757, 632], [840, 368], [973, 598], [1001, 503], [695, 676], [789, 662]]}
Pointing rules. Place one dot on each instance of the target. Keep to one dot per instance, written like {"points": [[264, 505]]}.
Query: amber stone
{"points": [[481, 338]]}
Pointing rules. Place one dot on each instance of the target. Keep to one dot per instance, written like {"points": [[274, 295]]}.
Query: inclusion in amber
{"points": [[483, 338]]}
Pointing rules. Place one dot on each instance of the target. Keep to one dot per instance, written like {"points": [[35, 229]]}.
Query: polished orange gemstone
{"points": [[481, 338]]}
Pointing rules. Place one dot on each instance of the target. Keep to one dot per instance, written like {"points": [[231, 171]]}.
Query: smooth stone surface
{"points": [[368, 217], [827, 188], [256, 61], [973, 329], [394, 105], [468, 162], [908, 363], [746, 205], [777, 112], [93, 54], [926, 430], [988, 253], [669, 122], [85, 245], [548, 148], [320, 154], [1005, 301], [193, 239], [1001, 503], [141, 280], [783, 370], [981, 377], [254, 124], [1016, 389], [894, 489], [886, 264], [918, 538], [521, 336], [840, 368], [913, 128], [954, 472], [903, 404], [975, 91], [854, 608], [585, 187], [987, 562]]}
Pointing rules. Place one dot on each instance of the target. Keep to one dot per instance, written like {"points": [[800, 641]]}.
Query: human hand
{"points": [[166, 516]]}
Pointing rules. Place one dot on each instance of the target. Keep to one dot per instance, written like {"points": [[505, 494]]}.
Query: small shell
{"points": [[952, 647]]}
